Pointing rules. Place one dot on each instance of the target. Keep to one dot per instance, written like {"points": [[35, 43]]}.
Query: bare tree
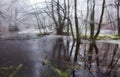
{"points": [[94, 35], [92, 25], [117, 2], [77, 32], [101, 19]]}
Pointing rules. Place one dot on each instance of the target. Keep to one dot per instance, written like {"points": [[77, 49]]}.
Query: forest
{"points": [[59, 38]]}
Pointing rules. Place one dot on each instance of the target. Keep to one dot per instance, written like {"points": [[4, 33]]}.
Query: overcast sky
{"points": [[36, 1]]}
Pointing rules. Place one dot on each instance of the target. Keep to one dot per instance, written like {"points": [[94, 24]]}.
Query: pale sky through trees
{"points": [[27, 8], [36, 1]]}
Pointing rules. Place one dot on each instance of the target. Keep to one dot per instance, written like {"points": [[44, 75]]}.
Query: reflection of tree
{"points": [[112, 63], [101, 58], [59, 49], [92, 48], [110, 58], [106, 58]]}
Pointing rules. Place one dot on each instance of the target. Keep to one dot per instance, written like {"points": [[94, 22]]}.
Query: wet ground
{"points": [[30, 54]]}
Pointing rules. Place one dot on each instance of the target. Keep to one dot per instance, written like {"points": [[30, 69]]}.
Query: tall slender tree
{"points": [[77, 32], [101, 19], [117, 2], [92, 25]]}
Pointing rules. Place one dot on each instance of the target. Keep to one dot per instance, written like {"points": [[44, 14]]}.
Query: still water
{"points": [[95, 59]]}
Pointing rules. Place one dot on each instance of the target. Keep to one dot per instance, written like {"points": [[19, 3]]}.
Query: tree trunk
{"points": [[59, 31], [92, 25], [118, 18], [76, 22], [101, 19], [77, 33]]}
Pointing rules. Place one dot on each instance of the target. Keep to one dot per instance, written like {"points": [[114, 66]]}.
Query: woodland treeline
{"points": [[62, 15]]}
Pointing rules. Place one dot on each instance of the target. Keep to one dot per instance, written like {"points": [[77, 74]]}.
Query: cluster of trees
{"points": [[63, 14], [68, 14]]}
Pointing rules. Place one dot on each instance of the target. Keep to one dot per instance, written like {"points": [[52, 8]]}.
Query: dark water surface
{"points": [[30, 54]]}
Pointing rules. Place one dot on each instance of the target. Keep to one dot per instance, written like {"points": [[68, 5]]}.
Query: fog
{"points": [[21, 13]]}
